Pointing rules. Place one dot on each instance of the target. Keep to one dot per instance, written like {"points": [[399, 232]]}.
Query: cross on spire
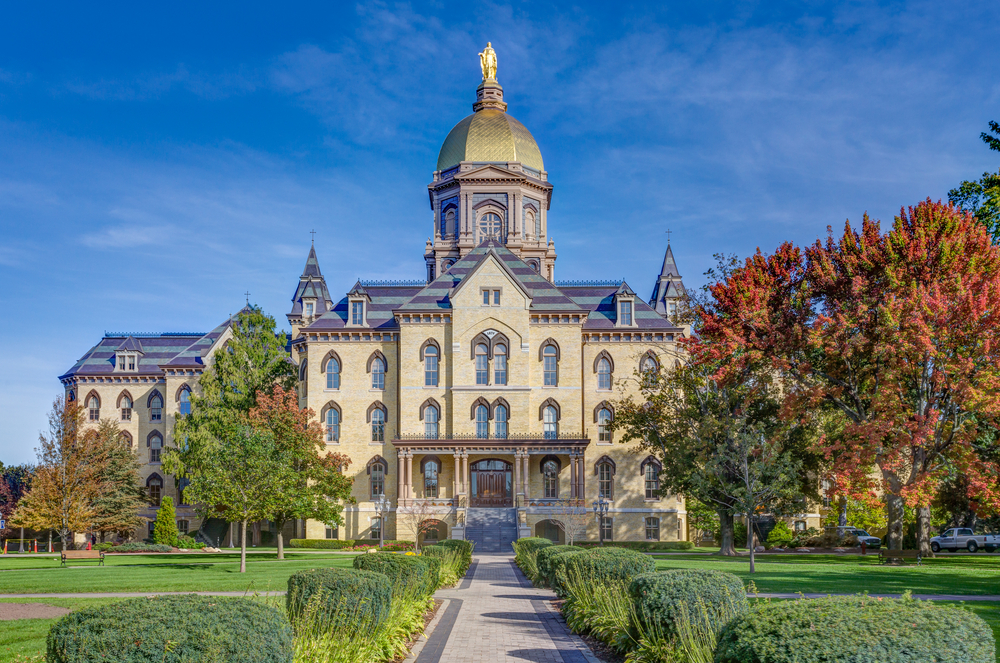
{"points": [[668, 235], [313, 233], [247, 293]]}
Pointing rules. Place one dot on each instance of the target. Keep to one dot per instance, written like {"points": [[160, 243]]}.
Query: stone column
{"points": [[465, 472], [526, 473], [455, 480], [400, 469], [582, 479], [518, 487], [409, 475], [572, 474]]}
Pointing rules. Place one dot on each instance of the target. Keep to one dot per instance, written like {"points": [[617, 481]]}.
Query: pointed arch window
{"points": [[550, 422], [94, 407], [154, 488], [500, 364], [604, 425], [303, 370], [332, 370], [431, 467], [430, 366], [606, 478], [603, 374], [378, 425], [500, 417], [651, 479], [332, 424], [156, 408], [482, 422], [185, 402], [431, 416], [376, 477], [378, 373], [155, 448], [550, 361], [482, 364], [126, 406], [648, 367]]}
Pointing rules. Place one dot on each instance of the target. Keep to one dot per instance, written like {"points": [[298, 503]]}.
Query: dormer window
{"points": [[131, 362], [358, 312], [309, 309], [626, 313], [625, 307], [121, 362], [672, 310]]}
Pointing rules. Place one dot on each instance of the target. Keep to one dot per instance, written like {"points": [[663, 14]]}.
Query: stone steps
{"points": [[492, 530]]}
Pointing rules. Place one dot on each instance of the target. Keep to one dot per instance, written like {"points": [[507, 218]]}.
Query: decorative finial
{"points": [[247, 293], [488, 62], [668, 236], [313, 233]]}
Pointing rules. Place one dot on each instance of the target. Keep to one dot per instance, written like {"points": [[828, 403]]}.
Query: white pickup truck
{"points": [[960, 537]]}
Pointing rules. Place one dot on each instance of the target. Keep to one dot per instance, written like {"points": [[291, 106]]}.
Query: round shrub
{"points": [[339, 594], [661, 598], [849, 629], [544, 555], [557, 568], [604, 564], [173, 629], [405, 573]]}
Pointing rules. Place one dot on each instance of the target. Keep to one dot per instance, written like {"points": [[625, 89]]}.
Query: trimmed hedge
{"points": [[323, 544], [661, 597], [173, 629], [404, 572], [463, 547], [603, 564], [366, 594], [525, 552], [141, 547], [557, 565], [849, 629], [543, 556], [644, 546]]}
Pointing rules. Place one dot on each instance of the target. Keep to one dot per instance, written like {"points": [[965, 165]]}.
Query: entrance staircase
{"points": [[492, 530]]}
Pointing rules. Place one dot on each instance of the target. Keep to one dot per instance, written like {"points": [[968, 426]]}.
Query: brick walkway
{"points": [[496, 615]]}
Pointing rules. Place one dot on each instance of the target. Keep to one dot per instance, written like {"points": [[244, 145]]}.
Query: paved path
{"points": [[496, 615]]}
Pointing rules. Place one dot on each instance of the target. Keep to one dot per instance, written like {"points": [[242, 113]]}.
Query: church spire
{"points": [[311, 298], [669, 288], [312, 265]]}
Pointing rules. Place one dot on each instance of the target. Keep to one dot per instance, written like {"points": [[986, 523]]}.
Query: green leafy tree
{"points": [[15, 481], [121, 498], [165, 527], [702, 519], [982, 197], [868, 515]]}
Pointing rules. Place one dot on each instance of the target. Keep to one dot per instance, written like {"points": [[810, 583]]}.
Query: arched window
{"points": [[449, 223], [550, 472], [125, 439], [491, 226], [332, 425], [94, 405], [500, 422], [500, 364], [185, 402], [606, 478], [529, 222], [651, 477], [332, 369], [154, 487], [126, 405], [376, 478], [603, 374], [550, 359], [652, 529], [72, 396], [648, 366], [378, 425], [482, 364], [378, 373], [482, 422], [431, 416], [550, 422], [533, 264], [604, 425], [155, 447], [431, 478], [430, 366], [156, 408], [303, 370]]}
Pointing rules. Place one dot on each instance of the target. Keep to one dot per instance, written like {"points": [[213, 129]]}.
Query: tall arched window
{"points": [[529, 222], [156, 408], [378, 373], [449, 223], [185, 402], [490, 225], [500, 422], [500, 364], [126, 408], [603, 425], [94, 405], [154, 487], [648, 367], [430, 366], [303, 370], [651, 476], [550, 472], [538, 228], [431, 422], [605, 480], [430, 478], [550, 422], [332, 425], [377, 479], [604, 374], [482, 422], [155, 447], [378, 425], [482, 364], [332, 373], [550, 358]]}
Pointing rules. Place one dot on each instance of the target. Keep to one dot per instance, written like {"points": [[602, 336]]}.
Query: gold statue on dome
{"points": [[488, 62]]}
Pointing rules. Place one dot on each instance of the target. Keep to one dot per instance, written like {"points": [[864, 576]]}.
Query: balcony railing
{"points": [[502, 438]]}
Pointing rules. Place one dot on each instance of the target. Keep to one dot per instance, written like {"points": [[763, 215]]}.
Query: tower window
{"points": [[604, 374], [332, 425], [378, 426], [490, 226], [482, 364], [482, 422], [378, 373], [430, 366], [332, 373], [309, 309]]}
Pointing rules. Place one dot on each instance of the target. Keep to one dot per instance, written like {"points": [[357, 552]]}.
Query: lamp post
{"points": [[381, 506], [600, 510]]}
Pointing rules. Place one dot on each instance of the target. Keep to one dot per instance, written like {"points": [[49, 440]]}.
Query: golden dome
{"points": [[490, 135]]}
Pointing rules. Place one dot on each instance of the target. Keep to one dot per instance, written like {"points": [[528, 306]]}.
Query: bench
{"points": [[887, 556], [82, 554]]}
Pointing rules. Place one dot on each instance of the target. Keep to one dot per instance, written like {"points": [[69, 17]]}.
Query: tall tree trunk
{"points": [[842, 515], [726, 534], [280, 526], [894, 508], [924, 530], [243, 546]]}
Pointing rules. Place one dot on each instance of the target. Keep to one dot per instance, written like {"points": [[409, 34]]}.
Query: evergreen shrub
{"points": [[644, 546], [610, 563], [172, 629], [557, 568], [544, 577], [165, 527], [662, 597], [142, 548], [780, 536], [525, 551], [463, 547], [369, 593], [849, 629], [323, 544], [404, 572]]}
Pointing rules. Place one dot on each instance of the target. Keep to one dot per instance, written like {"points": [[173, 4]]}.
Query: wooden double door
{"points": [[492, 483]]}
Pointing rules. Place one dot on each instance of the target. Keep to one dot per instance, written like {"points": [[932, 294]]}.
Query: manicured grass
{"points": [[160, 573], [851, 574]]}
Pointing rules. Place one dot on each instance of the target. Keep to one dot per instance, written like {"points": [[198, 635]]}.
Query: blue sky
{"points": [[157, 162]]}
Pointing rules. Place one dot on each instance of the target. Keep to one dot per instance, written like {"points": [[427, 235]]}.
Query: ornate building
{"points": [[476, 400]]}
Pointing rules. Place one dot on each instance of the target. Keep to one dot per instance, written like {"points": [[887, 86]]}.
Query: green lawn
{"points": [[160, 573]]}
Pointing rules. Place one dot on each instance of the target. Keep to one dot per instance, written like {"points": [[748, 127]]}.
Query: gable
{"points": [[490, 273]]}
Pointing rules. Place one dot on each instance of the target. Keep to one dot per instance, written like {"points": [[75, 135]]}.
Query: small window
{"points": [[155, 447], [377, 480], [378, 425], [431, 422], [155, 488], [332, 373], [672, 310], [496, 298], [800, 526], [604, 374], [486, 297], [131, 362], [332, 425], [376, 528], [482, 364], [94, 406], [378, 373], [607, 529], [604, 425], [652, 529], [605, 480], [183, 527], [126, 408], [430, 366], [550, 472], [626, 313], [332, 533], [491, 297], [500, 422], [482, 422], [357, 313], [185, 406], [500, 364], [431, 479], [550, 422], [309, 309], [156, 409], [551, 366], [652, 480], [121, 362]]}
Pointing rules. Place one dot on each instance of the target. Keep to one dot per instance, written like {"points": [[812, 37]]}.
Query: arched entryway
{"points": [[432, 531], [492, 483], [549, 529]]}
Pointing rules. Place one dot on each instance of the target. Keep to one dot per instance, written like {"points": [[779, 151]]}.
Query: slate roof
{"points": [[131, 344], [383, 300], [156, 350], [311, 284], [600, 301], [668, 284]]}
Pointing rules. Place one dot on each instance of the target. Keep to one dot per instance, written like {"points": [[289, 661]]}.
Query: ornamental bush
{"points": [[707, 598], [404, 572], [173, 629], [557, 568], [603, 564], [781, 536], [849, 629], [142, 548], [323, 544], [464, 548], [544, 577], [165, 527], [644, 546], [525, 551], [339, 594]]}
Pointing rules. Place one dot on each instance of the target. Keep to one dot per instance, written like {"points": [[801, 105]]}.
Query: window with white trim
{"points": [[482, 364], [500, 364], [378, 425], [430, 366], [431, 422], [332, 369], [156, 408], [126, 408], [482, 422], [652, 528], [332, 425], [378, 373]]}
